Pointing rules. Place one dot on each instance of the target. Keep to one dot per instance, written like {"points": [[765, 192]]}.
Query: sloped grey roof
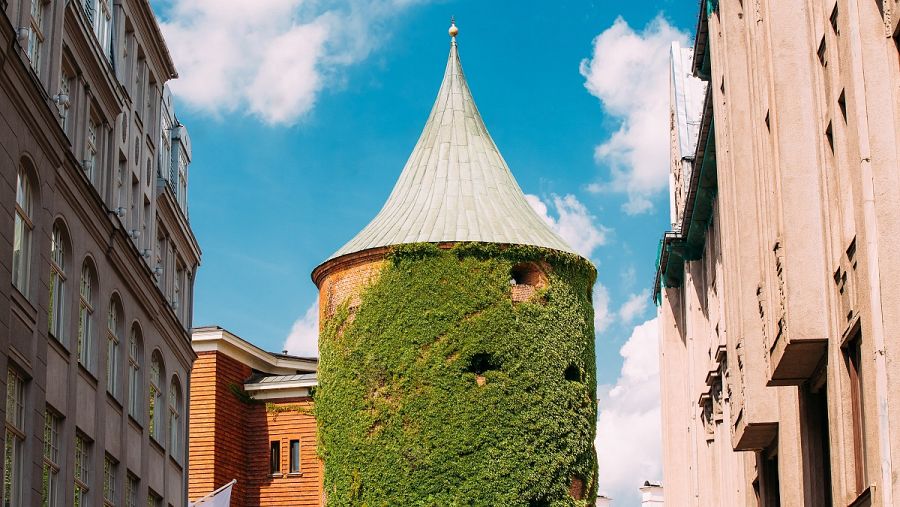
{"points": [[455, 187]]}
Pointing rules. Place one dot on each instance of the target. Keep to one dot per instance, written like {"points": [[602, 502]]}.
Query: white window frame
{"points": [[86, 318], [36, 34], [21, 270], [51, 467], [113, 322], [132, 484], [82, 471], [65, 88], [110, 471], [14, 446], [175, 419], [91, 147], [57, 307], [135, 360], [155, 406]]}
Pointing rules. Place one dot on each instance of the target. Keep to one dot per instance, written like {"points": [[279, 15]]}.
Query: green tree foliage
{"points": [[439, 390]]}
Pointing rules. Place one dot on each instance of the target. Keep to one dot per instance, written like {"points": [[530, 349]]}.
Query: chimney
{"points": [[652, 494]]}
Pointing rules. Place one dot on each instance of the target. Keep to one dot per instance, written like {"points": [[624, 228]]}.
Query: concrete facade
{"points": [[779, 319], [98, 257], [252, 420]]}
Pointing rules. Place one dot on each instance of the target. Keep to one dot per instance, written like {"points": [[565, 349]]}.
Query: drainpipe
{"points": [[870, 227]]}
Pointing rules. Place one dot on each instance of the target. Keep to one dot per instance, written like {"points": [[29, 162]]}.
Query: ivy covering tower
{"points": [[456, 337]]}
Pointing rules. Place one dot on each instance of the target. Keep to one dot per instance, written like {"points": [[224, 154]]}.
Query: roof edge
{"points": [[218, 339]]}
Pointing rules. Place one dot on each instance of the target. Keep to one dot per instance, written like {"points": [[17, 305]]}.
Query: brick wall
{"points": [[217, 425], [282, 421], [229, 439], [344, 279]]}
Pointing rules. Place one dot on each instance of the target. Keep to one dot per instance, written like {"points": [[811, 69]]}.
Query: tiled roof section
{"points": [[276, 379], [455, 187]]}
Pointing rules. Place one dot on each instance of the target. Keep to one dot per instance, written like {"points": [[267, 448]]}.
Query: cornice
{"points": [[216, 339]]}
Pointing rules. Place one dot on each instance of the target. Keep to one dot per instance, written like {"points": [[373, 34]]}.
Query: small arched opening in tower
{"points": [[480, 364], [525, 279]]}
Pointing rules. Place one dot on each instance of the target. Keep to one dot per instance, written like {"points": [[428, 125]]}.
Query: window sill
{"points": [[59, 346], [112, 400], [134, 422], [27, 312], [156, 445], [295, 474], [87, 374], [176, 462]]}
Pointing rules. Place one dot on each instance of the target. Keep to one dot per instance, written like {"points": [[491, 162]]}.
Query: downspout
{"points": [[870, 227]]}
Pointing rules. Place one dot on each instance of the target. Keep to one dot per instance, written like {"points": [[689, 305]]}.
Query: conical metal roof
{"points": [[455, 187]]}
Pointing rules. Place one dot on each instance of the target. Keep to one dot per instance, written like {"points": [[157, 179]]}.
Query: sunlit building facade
{"points": [[97, 258], [780, 310]]}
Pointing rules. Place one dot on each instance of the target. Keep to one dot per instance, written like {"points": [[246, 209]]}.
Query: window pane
{"points": [[275, 458], [295, 456]]}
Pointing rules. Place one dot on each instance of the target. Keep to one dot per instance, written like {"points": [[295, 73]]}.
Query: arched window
{"points": [[113, 332], [135, 360], [86, 317], [59, 242], [155, 408], [21, 268], [175, 419]]}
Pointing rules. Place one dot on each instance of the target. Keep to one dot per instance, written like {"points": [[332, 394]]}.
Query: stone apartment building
{"points": [[252, 420], [780, 310], [97, 258]]}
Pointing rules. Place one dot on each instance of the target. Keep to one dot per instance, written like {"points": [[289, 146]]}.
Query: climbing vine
{"points": [[441, 391]]}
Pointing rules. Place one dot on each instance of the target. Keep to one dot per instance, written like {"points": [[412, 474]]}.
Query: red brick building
{"points": [[251, 420]]}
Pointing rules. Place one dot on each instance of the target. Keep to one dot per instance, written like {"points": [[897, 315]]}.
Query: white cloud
{"points": [[270, 58], [602, 317], [635, 306], [574, 223], [303, 339], [629, 73], [628, 425]]}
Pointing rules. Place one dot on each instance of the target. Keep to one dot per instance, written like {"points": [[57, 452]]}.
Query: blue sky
{"points": [[305, 116]]}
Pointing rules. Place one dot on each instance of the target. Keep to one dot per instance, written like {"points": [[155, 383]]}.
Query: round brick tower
{"points": [[456, 337]]}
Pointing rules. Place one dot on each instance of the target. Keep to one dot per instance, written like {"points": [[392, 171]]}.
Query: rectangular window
{"points": [[177, 287], [275, 457], [36, 35], [65, 99], [112, 351], [15, 438], [767, 486], [139, 86], [82, 470], [110, 467], [823, 59], [90, 154], [135, 212], [833, 19], [135, 398], [23, 227], [182, 182], [814, 438], [153, 500], [56, 301], [295, 457], [853, 361], [50, 474], [85, 320], [131, 490]]}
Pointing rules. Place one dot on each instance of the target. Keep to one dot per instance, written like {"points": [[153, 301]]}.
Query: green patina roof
{"points": [[455, 187]]}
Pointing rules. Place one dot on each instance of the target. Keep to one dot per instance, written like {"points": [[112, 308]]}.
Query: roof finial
{"points": [[453, 30]]}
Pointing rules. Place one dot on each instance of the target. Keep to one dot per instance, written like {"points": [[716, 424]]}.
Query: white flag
{"points": [[220, 498]]}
